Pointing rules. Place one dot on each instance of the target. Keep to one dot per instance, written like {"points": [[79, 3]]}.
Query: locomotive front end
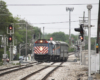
{"points": [[41, 50]]}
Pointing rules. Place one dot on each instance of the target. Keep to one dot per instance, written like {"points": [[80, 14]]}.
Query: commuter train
{"points": [[50, 50]]}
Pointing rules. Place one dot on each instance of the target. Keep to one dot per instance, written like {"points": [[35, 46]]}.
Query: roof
{"points": [[57, 42]]}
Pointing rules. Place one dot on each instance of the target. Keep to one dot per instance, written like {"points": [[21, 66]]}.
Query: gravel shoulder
{"points": [[71, 70]]}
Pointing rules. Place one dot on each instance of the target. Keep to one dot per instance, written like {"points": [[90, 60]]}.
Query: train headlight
{"points": [[41, 48], [41, 41]]}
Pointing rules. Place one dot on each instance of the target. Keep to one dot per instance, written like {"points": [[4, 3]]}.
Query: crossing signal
{"points": [[10, 39], [10, 27], [81, 32]]}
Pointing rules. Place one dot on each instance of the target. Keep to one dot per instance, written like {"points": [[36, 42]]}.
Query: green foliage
{"points": [[1, 63], [6, 19], [1, 53], [71, 50], [60, 36], [18, 64]]}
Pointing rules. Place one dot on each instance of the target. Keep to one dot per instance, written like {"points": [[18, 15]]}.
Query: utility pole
{"points": [[33, 40], [89, 7], [40, 33], [4, 44], [98, 36], [43, 32], [82, 56], [80, 53], [26, 43], [84, 21], [26, 40], [5, 54], [69, 9], [19, 49]]}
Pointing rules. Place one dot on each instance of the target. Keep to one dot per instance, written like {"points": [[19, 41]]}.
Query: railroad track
{"points": [[45, 77], [15, 68]]}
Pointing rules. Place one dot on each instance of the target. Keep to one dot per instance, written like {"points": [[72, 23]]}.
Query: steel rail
{"points": [[24, 78], [47, 75], [15, 70]]}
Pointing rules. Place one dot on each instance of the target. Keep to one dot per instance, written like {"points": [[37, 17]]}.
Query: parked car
{"points": [[21, 57]]}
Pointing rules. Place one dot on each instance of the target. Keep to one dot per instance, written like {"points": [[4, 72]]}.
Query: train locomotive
{"points": [[50, 50]]}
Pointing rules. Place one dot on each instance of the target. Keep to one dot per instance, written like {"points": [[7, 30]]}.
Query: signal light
{"points": [[81, 37], [97, 50], [10, 39], [51, 39], [81, 31], [10, 27]]}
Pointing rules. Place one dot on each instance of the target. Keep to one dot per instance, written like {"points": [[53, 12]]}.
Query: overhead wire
{"points": [[58, 22], [49, 4], [54, 22], [62, 28], [51, 14]]}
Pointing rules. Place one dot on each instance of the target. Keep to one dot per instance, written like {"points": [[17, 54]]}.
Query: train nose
{"points": [[41, 48]]}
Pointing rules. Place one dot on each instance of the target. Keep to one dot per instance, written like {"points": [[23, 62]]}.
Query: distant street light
{"points": [[69, 9]]}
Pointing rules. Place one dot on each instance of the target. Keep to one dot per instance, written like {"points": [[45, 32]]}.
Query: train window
{"points": [[39, 44], [41, 41]]}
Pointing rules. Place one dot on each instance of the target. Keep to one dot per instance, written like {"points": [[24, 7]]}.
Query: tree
{"points": [[5, 17], [59, 36]]}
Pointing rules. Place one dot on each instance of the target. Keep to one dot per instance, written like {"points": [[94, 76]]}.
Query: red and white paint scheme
{"points": [[40, 50]]}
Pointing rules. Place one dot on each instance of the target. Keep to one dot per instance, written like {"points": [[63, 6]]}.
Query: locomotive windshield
{"points": [[43, 44]]}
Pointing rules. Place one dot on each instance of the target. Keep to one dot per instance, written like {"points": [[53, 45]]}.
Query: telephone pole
{"points": [[69, 9], [82, 21], [43, 32], [98, 36]]}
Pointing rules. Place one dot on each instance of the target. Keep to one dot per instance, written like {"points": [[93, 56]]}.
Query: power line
{"points": [[62, 28], [49, 4], [58, 22], [54, 22], [50, 14]]}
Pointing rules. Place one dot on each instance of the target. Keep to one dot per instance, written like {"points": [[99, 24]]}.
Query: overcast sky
{"points": [[54, 13]]}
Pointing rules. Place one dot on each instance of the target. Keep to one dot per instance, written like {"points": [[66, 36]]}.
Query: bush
{"points": [[71, 50], [1, 63]]}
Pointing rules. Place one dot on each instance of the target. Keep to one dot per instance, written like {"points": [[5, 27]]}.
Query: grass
{"points": [[1, 63]]}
